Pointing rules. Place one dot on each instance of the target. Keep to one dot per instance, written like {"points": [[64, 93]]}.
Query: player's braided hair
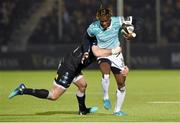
{"points": [[103, 12]]}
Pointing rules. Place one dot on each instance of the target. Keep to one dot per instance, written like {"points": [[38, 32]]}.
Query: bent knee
{"points": [[121, 84], [53, 96], [82, 87]]}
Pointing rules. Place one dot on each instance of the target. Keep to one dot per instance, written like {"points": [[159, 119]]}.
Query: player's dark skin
{"points": [[105, 22], [105, 67]]}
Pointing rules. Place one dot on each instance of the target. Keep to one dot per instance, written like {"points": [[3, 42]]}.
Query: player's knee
{"points": [[53, 96], [121, 84], [82, 87]]}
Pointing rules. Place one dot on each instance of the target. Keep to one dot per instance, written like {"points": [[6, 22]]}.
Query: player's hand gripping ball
{"points": [[127, 31]]}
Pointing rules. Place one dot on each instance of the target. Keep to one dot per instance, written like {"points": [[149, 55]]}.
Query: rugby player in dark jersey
{"points": [[69, 70]]}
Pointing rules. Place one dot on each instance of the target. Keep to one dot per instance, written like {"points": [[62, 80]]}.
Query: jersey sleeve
{"points": [[90, 30], [121, 19]]}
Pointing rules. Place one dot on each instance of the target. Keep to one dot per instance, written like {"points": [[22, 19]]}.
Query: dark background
{"points": [[35, 34]]}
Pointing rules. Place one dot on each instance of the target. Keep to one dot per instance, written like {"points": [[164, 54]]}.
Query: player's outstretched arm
{"points": [[99, 52]]}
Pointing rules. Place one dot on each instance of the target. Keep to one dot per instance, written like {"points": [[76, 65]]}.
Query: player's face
{"points": [[105, 22]]}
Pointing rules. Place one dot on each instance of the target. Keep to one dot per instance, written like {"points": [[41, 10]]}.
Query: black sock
{"points": [[40, 93], [81, 102]]}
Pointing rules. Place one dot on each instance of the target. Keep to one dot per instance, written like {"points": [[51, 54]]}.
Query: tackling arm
{"points": [[91, 42], [99, 52]]}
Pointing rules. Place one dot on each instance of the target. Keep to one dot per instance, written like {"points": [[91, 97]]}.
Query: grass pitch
{"points": [[151, 96]]}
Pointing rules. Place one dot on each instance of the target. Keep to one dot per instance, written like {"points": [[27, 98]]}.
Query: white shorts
{"points": [[117, 61]]}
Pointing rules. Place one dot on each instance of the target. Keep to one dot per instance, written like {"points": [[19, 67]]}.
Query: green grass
{"points": [[143, 87]]}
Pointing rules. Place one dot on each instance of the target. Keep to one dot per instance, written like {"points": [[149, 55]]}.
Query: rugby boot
{"points": [[107, 104], [88, 110], [17, 91], [119, 113]]}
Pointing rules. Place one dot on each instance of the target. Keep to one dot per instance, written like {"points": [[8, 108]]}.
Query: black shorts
{"points": [[65, 76]]}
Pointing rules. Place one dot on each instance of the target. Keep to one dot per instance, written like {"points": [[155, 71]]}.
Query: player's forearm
{"points": [[99, 52]]}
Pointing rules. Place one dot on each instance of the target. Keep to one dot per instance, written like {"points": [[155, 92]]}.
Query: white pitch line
{"points": [[165, 102]]}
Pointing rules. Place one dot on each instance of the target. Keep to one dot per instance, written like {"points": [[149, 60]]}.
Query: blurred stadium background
{"points": [[34, 34]]}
